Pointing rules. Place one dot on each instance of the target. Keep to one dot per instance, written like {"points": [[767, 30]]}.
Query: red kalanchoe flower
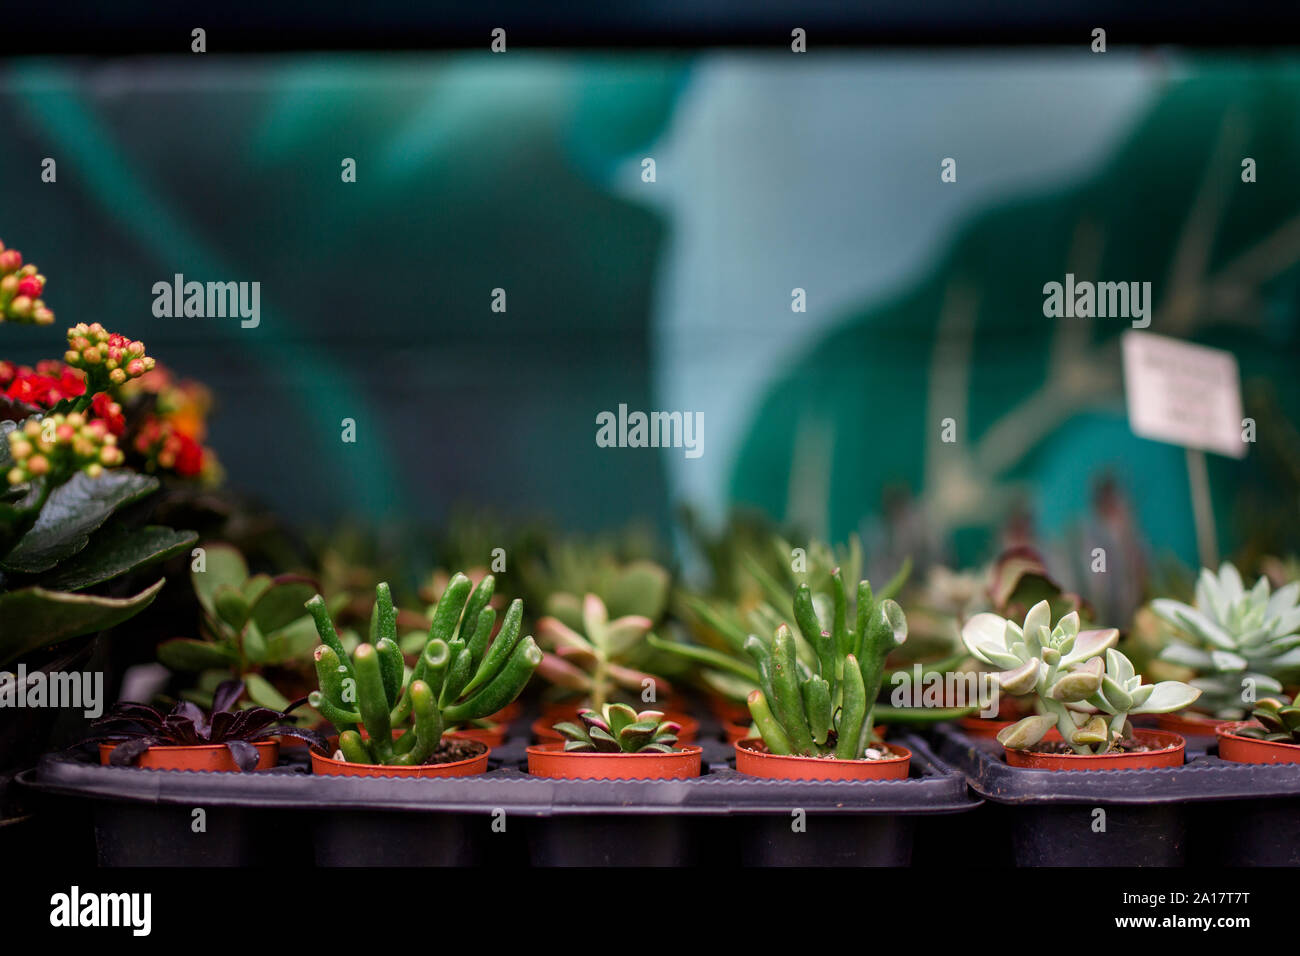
{"points": [[166, 449], [109, 412], [20, 290], [43, 387]]}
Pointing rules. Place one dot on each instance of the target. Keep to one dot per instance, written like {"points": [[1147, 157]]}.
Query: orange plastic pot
{"points": [[203, 757], [1187, 725], [469, 767], [753, 759], [506, 714], [1249, 750], [1168, 752], [983, 726], [736, 730], [551, 760], [543, 727], [493, 736]]}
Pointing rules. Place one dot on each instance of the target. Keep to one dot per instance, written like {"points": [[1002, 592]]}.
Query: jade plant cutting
{"points": [[64, 495], [254, 628], [618, 728], [595, 660], [134, 728], [824, 708], [1235, 639], [463, 673], [1083, 687]]}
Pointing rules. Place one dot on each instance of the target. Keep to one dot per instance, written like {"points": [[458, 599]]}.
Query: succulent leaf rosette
{"points": [[1083, 687], [1278, 722], [618, 728], [595, 661], [1234, 638]]}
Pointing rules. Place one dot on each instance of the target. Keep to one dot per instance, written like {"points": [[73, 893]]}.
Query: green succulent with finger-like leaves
{"points": [[463, 673], [1083, 687], [824, 709], [618, 728]]}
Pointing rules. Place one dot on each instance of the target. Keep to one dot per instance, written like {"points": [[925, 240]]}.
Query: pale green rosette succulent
{"points": [[1082, 686], [1239, 641]]}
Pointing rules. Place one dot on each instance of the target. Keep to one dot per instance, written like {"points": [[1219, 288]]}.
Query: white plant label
{"points": [[1184, 394]]}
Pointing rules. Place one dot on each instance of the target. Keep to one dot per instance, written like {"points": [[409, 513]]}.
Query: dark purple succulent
{"points": [[139, 727]]}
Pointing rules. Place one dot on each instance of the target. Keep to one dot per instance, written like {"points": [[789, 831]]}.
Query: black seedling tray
{"points": [[1208, 811], [504, 816]]}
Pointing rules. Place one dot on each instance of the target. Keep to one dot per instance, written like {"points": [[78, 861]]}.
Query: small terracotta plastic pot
{"points": [[728, 711], [983, 726], [1240, 749], [551, 760], [506, 714], [1168, 752], [736, 730], [469, 767], [1187, 725], [493, 736], [543, 727], [204, 757], [753, 759]]}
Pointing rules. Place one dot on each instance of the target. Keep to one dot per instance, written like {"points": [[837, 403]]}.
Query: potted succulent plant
{"points": [[1084, 691], [228, 738], [462, 674], [590, 657], [1239, 642], [815, 720], [254, 629], [1273, 736], [616, 743]]}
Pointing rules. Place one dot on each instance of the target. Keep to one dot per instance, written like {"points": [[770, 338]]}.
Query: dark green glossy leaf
{"points": [[115, 551], [282, 603], [187, 655], [71, 514], [223, 566], [35, 618]]}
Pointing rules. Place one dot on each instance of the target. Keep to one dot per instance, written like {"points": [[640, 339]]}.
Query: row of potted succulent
{"points": [[812, 708], [1238, 642]]}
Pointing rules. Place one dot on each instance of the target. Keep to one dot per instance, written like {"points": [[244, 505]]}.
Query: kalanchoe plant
{"points": [[1082, 686], [1234, 638], [1279, 722], [825, 708], [462, 674], [137, 727], [63, 541], [618, 728]]}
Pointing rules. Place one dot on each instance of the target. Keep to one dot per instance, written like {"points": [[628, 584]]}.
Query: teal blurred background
{"points": [[773, 172]]}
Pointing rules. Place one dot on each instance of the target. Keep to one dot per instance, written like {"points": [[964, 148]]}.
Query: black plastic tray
{"points": [[505, 816], [1208, 811]]}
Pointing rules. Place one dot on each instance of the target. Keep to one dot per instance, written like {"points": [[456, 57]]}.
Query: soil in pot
{"points": [[208, 757], [552, 760], [1239, 749], [1148, 749], [752, 758], [455, 757]]}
